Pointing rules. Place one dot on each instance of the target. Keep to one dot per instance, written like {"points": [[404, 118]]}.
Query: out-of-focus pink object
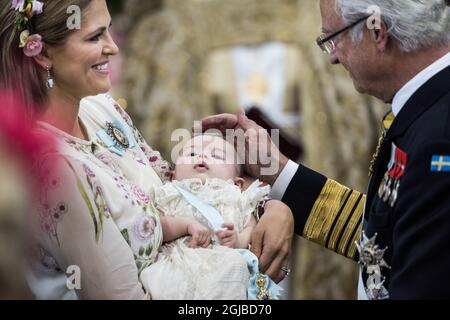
{"points": [[19, 134]]}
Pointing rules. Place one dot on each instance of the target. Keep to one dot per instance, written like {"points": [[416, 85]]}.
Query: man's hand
{"points": [[228, 237], [263, 159], [200, 236], [272, 239]]}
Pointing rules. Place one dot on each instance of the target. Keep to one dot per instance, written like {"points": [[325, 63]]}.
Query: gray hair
{"points": [[414, 24]]}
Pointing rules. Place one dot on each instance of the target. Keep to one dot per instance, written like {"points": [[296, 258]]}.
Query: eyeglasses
{"points": [[326, 43]]}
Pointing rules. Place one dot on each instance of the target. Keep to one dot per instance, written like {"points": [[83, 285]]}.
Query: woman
{"points": [[106, 167]]}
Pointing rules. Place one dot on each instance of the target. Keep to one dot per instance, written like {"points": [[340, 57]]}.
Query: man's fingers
{"points": [[245, 123], [274, 271], [257, 241], [267, 255], [225, 121], [279, 277], [222, 122]]}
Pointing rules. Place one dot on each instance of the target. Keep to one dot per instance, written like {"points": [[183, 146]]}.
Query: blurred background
{"points": [[182, 60]]}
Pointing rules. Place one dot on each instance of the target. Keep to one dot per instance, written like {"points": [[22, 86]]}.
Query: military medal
{"points": [[384, 190], [383, 183], [399, 170], [371, 258], [388, 190], [263, 292], [394, 194]]}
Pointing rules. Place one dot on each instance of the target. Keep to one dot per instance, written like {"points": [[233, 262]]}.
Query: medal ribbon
{"points": [[398, 169]]}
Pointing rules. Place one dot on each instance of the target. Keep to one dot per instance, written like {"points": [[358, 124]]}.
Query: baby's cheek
{"points": [[182, 171], [224, 171]]}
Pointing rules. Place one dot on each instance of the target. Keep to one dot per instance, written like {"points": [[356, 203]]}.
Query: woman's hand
{"points": [[200, 236], [272, 239], [228, 237]]}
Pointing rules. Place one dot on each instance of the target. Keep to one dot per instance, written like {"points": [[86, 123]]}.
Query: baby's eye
{"points": [[192, 154], [218, 156]]}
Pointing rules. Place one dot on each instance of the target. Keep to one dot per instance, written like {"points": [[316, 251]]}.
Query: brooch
{"points": [[116, 137], [263, 292]]}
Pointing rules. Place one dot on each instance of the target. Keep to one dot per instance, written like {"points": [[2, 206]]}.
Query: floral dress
{"points": [[94, 206], [216, 272]]}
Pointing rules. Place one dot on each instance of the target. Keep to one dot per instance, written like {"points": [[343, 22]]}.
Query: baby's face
{"points": [[206, 157]]}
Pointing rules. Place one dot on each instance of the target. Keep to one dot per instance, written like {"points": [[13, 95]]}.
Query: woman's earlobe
{"points": [[43, 60]]}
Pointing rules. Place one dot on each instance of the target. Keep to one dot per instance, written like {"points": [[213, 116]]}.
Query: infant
{"points": [[205, 214]]}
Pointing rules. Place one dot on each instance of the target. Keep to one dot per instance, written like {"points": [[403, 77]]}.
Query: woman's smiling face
{"points": [[80, 67]]}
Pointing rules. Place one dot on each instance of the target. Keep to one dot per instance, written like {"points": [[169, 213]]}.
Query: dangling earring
{"points": [[50, 82]]}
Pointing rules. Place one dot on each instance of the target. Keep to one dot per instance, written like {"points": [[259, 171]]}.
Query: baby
{"points": [[204, 200]]}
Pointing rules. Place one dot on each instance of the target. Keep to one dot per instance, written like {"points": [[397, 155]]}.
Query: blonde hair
{"points": [[20, 73]]}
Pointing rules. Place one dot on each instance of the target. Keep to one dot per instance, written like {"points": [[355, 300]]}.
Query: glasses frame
{"points": [[321, 41]]}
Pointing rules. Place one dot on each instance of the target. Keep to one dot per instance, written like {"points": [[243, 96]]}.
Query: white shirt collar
{"points": [[406, 92]]}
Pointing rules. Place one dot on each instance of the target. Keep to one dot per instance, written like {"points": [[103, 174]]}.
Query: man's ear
{"points": [[238, 181], [379, 32]]}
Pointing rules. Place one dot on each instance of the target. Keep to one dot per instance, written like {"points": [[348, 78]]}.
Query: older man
{"points": [[399, 52]]}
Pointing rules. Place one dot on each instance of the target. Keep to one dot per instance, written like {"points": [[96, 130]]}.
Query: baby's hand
{"points": [[200, 236], [228, 237]]}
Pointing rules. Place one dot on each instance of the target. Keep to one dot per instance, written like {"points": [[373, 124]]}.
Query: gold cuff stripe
{"points": [[334, 217], [324, 212], [343, 219], [355, 218], [351, 250], [347, 197]]}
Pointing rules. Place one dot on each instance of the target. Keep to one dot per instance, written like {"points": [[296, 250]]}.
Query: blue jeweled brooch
{"points": [[117, 137]]}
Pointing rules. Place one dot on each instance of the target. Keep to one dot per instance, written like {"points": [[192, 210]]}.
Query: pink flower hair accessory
{"points": [[32, 44], [25, 10]]}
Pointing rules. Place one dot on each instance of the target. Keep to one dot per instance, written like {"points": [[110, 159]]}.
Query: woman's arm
{"points": [[78, 234]]}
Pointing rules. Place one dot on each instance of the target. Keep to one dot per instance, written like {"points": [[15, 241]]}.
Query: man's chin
{"points": [[358, 87]]}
